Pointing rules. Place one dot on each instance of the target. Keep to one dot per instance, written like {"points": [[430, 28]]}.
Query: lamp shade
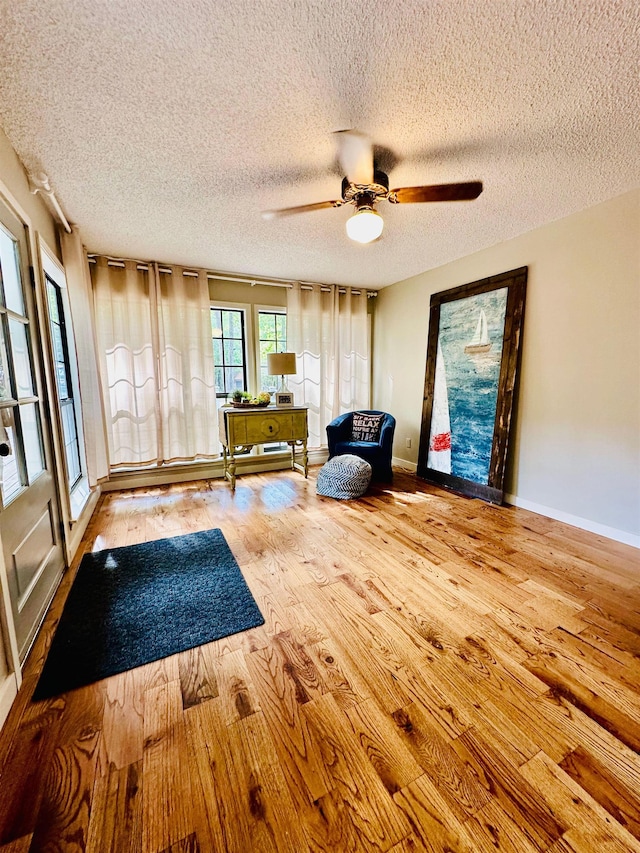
{"points": [[365, 226], [281, 363]]}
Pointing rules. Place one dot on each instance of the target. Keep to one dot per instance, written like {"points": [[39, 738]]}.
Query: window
{"points": [[65, 367], [242, 338], [229, 346], [272, 337], [62, 367], [21, 448]]}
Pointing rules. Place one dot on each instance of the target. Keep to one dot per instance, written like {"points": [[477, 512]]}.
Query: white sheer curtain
{"points": [[329, 332], [154, 337], [76, 268], [187, 386]]}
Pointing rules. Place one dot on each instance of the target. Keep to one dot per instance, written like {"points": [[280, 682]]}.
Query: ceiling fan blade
{"points": [[438, 192], [301, 208], [355, 154]]}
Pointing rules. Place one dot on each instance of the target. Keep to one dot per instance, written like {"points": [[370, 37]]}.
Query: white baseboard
{"points": [[78, 528], [205, 470], [576, 521], [318, 456], [8, 692], [404, 464]]}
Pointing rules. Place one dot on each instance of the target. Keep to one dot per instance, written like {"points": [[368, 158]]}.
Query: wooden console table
{"points": [[242, 429]]}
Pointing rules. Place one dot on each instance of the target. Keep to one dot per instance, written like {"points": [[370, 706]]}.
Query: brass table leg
{"points": [[232, 470]]}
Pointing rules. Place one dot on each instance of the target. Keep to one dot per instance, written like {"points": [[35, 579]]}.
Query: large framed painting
{"points": [[472, 363]]}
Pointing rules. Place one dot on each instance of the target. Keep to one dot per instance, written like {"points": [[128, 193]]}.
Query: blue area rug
{"points": [[129, 606]]}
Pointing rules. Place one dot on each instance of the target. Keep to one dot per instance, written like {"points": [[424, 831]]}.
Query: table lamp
{"points": [[282, 364]]}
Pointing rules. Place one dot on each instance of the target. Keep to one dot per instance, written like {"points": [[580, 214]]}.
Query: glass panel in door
{"points": [[29, 513]]}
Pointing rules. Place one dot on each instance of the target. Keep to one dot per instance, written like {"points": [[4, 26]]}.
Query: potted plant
{"points": [[243, 400]]}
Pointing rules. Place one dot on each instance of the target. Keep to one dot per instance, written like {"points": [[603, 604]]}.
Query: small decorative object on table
{"points": [[284, 398], [244, 400]]}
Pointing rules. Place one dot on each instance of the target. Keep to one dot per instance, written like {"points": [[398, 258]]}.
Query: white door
{"points": [[29, 511]]}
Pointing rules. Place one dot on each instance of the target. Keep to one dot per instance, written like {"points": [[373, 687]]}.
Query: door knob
{"points": [[5, 449]]}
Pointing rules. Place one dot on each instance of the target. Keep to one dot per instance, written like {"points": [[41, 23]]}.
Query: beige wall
{"points": [[576, 440], [14, 178], [233, 291]]}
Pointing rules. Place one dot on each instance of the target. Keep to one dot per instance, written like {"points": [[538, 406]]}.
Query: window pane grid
{"points": [[12, 295], [228, 336], [63, 382], [272, 329], [21, 447], [12, 478]]}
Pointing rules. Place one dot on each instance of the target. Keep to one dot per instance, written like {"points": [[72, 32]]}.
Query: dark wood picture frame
{"points": [[493, 490]]}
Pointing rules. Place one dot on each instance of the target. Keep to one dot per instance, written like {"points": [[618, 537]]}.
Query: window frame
{"points": [[216, 304], [70, 401], [77, 495], [252, 353], [274, 447], [259, 309], [18, 399]]}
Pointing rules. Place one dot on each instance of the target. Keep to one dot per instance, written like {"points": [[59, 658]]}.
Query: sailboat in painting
{"points": [[439, 455], [480, 341]]}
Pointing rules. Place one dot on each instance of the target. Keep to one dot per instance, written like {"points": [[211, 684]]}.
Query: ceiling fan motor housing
{"points": [[365, 195]]}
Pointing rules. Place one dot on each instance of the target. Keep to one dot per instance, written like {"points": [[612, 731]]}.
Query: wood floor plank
{"points": [[298, 752], [586, 818], [197, 676], [217, 804], [340, 678], [383, 746], [603, 785], [274, 823], [436, 827], [63, 817], [238, 696], [166, 791], [185, 845], [20, 845], [434, 674], [410, 844], [356, 788], [115, 822], [23, 784], [457, 782], [515, 795], [123, 722], [493, 830]]}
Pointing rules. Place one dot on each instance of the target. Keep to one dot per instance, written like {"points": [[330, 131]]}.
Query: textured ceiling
{"points": [[166, 126]]}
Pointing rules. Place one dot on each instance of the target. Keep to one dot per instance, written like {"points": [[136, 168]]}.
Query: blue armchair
{"points": [[377, 453]]}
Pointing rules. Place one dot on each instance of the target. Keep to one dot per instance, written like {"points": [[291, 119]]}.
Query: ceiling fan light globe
{"points": [[365, 226]]}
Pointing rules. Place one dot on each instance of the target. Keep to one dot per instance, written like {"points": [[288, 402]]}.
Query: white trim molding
{"points": [[187, 472], [404, 465], [8, 692], [558, 515], [575, 521]]}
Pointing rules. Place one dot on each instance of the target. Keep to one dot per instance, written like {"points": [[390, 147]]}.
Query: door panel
{"points": [[28, 556], [29, 510]]}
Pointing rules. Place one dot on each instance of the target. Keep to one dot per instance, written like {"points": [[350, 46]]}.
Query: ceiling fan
{"points": [[364, 186]]}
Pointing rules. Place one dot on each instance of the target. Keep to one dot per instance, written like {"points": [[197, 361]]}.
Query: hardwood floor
{"points": [[434, 674]]}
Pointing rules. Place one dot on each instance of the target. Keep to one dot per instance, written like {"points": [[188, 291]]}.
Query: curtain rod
{"points": [[217, 276], [40, 184]]}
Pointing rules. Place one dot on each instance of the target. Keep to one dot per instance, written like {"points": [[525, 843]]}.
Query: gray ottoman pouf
{"points": [[344, 477]]}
